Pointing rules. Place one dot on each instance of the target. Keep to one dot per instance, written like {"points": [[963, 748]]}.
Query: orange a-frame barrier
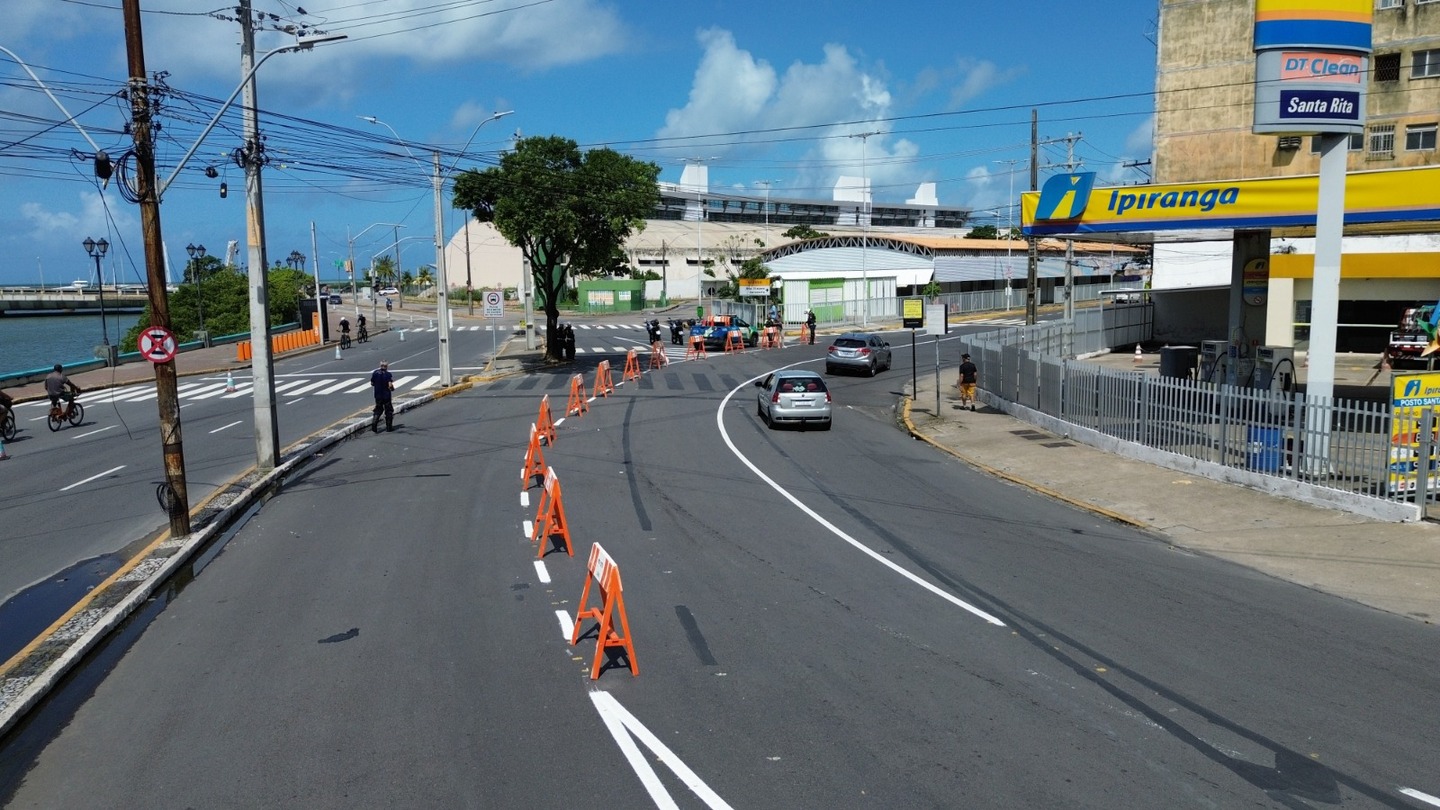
{"points": [[657, 355], [734, 341], [604, 386], [534, 460], [697, 348], [577, 404], [545, 424], [632, 367], [602, 571], [550, 517], [774, 338]]}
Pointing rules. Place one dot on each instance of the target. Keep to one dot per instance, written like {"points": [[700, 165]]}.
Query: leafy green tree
{"points": [[426, 276], [223, 296], [984, 232], [567, 210], [932, 290], [803, 232]]}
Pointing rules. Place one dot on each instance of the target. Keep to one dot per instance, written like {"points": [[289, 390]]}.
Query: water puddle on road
{"points": [[26, 616]]}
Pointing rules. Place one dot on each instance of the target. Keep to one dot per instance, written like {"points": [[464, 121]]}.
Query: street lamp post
{"points": [[442, 295], [198, 252], [865, 233], [97, 251]]}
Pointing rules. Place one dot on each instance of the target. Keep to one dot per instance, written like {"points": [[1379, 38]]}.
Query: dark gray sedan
{"points": [[793, 396], [858, 351]]}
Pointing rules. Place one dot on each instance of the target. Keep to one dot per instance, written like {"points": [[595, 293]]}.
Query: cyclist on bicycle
{"points": [[58, 387], [362, 335], [344, 331]]}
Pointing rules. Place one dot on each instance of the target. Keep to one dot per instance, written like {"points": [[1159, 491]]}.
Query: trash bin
{"points": [[1264, 448], [1179, 362]]}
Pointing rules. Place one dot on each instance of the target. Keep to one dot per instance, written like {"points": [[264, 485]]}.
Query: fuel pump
{"points": [[1214, 360], [1274, 369]]}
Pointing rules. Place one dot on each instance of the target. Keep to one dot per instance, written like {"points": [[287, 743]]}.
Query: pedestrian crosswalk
{"points": [[286, 388]]}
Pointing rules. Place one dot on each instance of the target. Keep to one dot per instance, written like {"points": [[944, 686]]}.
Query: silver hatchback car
{"points": [[793, 396], [858, 351]]}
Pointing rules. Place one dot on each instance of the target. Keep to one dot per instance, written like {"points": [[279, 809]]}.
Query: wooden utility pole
{"points": [[177, 497]]}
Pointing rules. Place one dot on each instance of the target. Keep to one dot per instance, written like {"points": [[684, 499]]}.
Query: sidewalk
{"points": [[1394, 567]]}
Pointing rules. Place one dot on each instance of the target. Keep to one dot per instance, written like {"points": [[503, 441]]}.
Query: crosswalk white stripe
{"points": [[428, 382], [242, 390], [311, 387], [337, 386], [361, 388], [400, 383], [203, 391]]}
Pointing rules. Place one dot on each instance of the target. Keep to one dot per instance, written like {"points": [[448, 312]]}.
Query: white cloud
{"points": [[975, 77], [1140, 143], [730, 90], [734, 91]]}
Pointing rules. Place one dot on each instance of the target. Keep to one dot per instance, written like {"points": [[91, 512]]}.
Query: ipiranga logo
{"points": [[1188, 198], [1064, 196]]}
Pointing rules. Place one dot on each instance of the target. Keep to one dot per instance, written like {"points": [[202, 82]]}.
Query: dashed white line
{"points": [[92, 433], [567, 625], [92, 478], [227, 427], [525, 499], [622, 724], [542, 572], [529, 530]]}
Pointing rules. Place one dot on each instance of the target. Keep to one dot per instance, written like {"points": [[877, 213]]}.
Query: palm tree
{"points": [[426, 276]]}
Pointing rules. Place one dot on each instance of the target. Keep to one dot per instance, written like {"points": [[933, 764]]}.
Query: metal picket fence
{"points": [[1338, 445]]}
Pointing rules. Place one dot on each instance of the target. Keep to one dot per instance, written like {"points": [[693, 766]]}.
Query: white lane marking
{"points": [[242, 390], [835, 530], [401, 383], [567, 625], [92, 433], [529, 530], [559, 422], [429, 382], [295, 400], [622, 724], [227, 427], [542, 572], [1424, 797], [525, 498], [361, 388], [92, 478]]}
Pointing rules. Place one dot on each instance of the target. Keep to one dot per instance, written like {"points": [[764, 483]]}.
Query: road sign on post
{"points": [[157, 345], [494, 304]]}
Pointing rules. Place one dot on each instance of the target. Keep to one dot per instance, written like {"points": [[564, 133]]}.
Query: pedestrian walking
{"points": [[384, 383], [969, 375], [810, 324]]}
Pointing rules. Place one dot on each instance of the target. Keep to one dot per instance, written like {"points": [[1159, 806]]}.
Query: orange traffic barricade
{"points": [[550, 517], [632, 367], [734, 341], [534, 460], [657, 355], [545, 423], [613, 628], [604, 386], [697, 348], [577, 404]]}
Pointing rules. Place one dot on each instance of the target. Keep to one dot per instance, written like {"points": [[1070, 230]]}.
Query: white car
{"points": [[389, 291]]}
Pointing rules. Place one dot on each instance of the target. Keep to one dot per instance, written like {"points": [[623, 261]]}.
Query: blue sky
{"points": [[763, 91]]}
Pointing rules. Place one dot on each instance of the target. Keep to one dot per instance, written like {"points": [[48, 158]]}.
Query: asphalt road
{"points": [[77, 498], [821, 619]]}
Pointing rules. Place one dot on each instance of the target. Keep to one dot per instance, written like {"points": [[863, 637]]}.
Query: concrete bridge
{"points": [[71, 300]]}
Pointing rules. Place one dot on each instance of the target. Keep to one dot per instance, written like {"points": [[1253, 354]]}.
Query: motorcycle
{"points": [[676, 330], [653, 330]]}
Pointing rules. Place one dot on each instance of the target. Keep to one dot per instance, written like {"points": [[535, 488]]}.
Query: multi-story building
{"points": [[1205, 89]]}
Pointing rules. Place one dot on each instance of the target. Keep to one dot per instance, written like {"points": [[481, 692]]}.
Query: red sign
{"points": [[157, 345]]}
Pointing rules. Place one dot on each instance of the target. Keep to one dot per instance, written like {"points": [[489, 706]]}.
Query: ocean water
{"points": [[39, 341]]}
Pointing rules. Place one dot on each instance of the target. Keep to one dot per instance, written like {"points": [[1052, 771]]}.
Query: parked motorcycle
{"points": [[653, 330], [677, 329]]}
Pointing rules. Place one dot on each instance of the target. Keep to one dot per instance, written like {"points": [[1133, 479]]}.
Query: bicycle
{"points": [[344, 340], [72, 412], [363, 335], [7, 426]]}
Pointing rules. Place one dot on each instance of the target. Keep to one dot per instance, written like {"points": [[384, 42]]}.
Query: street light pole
{"points": [[865, 233], [198, 252], [97, 251], [442, 297]]}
